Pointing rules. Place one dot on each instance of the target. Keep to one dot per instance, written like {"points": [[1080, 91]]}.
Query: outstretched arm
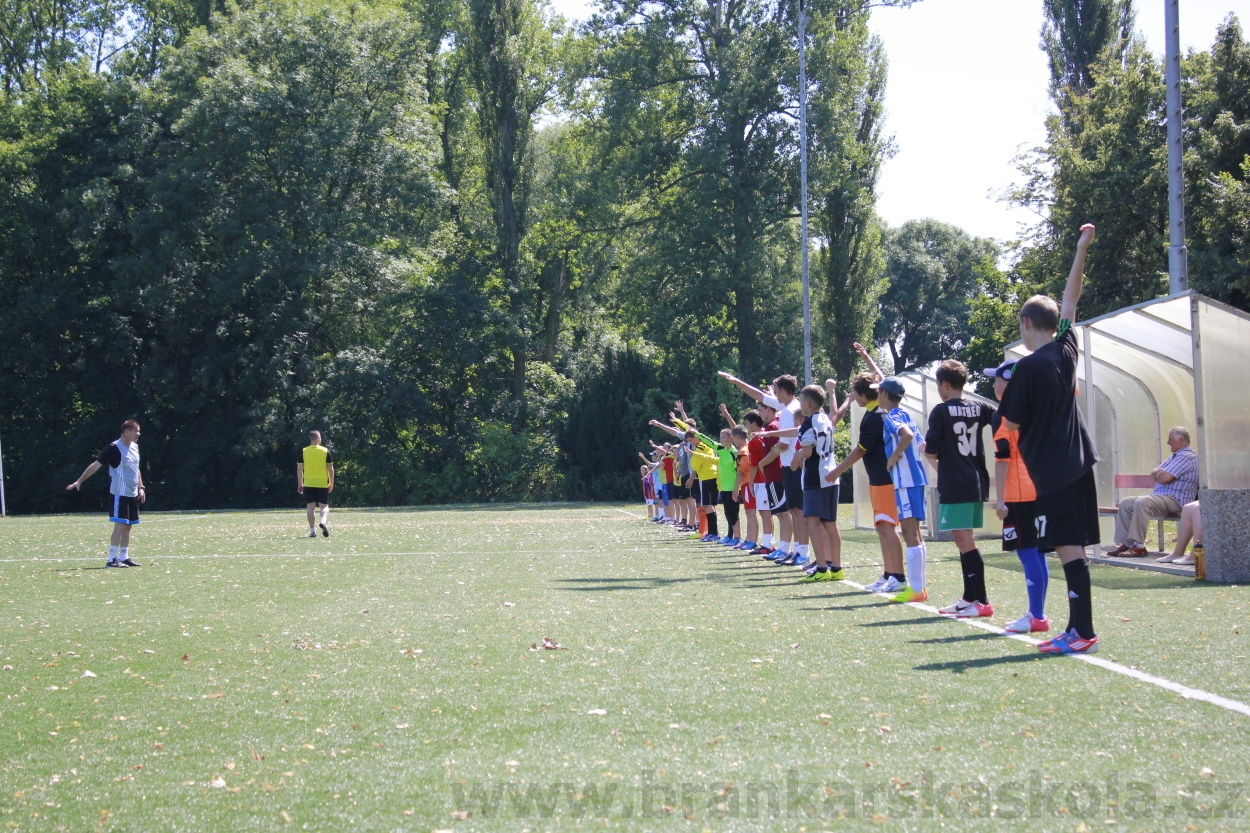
{"points": [[872, 366], [857, 453], [1076, 278], [655, 423], [87, 472], [724, 412], [750, 390]]}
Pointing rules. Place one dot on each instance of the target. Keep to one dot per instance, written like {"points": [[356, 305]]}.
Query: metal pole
{"points": [[1178, 255], [807, 300], [3, 510]]}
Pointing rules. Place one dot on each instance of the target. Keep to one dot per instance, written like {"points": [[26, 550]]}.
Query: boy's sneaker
{"points": [[811, 568], [746, 546], [876, 586], [908, 595], [777, 556], [798, 561], [763, 550], [1028, 623], [130, 562], [831, 575], [962, 609], [892, 585], [710, 539], [1069, 642], [312, 533], [325, 530], [116, 562], [813, 577]]}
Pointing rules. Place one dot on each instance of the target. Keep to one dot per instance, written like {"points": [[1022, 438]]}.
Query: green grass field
{"points": [[249, 678]]}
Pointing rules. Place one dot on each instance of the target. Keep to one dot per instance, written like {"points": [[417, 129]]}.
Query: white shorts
{"points": [[769, 497]]}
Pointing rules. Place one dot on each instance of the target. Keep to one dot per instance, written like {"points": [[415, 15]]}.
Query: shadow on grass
{"points": [[600, 584], [983, 636], [962, 665], [891, 623], [1104, 576]]}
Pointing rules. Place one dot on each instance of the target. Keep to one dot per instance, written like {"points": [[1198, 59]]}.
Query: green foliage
{"points": [[1079, 34], [935, 271]]}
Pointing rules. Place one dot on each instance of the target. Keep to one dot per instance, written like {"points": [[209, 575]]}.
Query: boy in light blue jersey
{"points": [[903, 460]]}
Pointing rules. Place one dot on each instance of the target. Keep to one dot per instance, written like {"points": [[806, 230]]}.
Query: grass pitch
{"points": [[249, 678]]}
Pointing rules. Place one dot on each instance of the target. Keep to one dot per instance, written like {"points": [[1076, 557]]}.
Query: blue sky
{"points": [[967, 94]]}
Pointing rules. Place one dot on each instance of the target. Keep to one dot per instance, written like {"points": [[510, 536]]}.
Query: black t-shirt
{"points": [[954, 436], [1041, 399], [872, 440], [110, 456], [1002, 448]]}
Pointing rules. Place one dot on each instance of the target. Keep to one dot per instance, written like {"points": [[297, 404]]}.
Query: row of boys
{"points": [[779, 467]]}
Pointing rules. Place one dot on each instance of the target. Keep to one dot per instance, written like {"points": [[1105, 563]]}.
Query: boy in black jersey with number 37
{"points": [[1040, 402], [953, 446]]}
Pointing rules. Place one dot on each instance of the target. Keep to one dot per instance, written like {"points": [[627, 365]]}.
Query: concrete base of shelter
{"points": [[1099, 555], [1226, 534]]}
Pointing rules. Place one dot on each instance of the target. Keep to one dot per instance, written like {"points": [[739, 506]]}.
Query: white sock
{"points": [[123, 553], [767, 540], [113, 553], [915, 568], [801, 549], [325, 513]]}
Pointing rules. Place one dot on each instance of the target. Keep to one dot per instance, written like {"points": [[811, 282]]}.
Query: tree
{"points": [[1079, 34], [935, 271], [848, 67]]}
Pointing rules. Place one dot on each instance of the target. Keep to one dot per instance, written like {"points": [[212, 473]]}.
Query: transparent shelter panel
{"points": [[1225, 346]]}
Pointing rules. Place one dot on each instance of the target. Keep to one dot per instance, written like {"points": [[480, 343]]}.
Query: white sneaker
{"points": [[876, 586], [1028, 624], [892, 585], [312, 533], [956, 608]]}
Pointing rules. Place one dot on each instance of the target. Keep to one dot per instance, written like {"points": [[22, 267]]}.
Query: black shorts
{"points": [[1068, 517], [1020, 529], [680, 492], [821, 503], [317, 494], [731, 510], [793, 482], [709, 492], [125, 510]]}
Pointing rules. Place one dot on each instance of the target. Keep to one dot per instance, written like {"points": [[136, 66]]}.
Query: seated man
{"points": [[1177, 477]]}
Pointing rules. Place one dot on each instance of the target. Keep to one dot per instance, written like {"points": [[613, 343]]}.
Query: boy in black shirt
{"points": [[953, 447], [871, 449], [1040, 403]]}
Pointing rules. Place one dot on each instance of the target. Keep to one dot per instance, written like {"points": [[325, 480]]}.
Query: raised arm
{"points": [[872, 366], [750, 390], [724, 412], [857, 454], [836, 411], [1076, 278]]}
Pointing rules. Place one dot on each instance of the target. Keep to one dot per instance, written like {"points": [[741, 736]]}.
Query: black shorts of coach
{"points": [[317, 494]]}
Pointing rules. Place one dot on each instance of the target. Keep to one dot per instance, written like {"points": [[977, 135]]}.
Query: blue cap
{"points": [[1004, 371], [892, 386]]}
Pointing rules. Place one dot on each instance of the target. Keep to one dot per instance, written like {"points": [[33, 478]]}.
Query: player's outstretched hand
{"points": [[831, 385], [1087, 234], [73, 487]]}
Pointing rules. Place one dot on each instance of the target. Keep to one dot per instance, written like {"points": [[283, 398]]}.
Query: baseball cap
{"points": [[892, 386], [1004, 371]]}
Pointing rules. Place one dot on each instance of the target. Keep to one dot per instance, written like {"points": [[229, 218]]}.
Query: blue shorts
{"points": [[910, 502], [821, 503]]}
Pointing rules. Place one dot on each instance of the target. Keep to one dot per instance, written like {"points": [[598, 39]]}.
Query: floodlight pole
{"points": [[1178, 255], [3, 510], [807, 296]]}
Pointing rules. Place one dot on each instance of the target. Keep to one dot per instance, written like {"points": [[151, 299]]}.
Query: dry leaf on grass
{"points": [[549, 644], [461, 815]]}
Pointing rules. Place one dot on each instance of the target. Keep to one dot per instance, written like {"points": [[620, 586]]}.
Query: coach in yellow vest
{"points": [[314, 477]]}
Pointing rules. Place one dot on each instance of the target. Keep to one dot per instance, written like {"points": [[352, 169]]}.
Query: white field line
{"points": [[1142, 676]]}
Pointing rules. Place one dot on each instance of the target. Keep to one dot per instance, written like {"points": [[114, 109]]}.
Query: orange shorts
{"points": [[884, 505]]}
